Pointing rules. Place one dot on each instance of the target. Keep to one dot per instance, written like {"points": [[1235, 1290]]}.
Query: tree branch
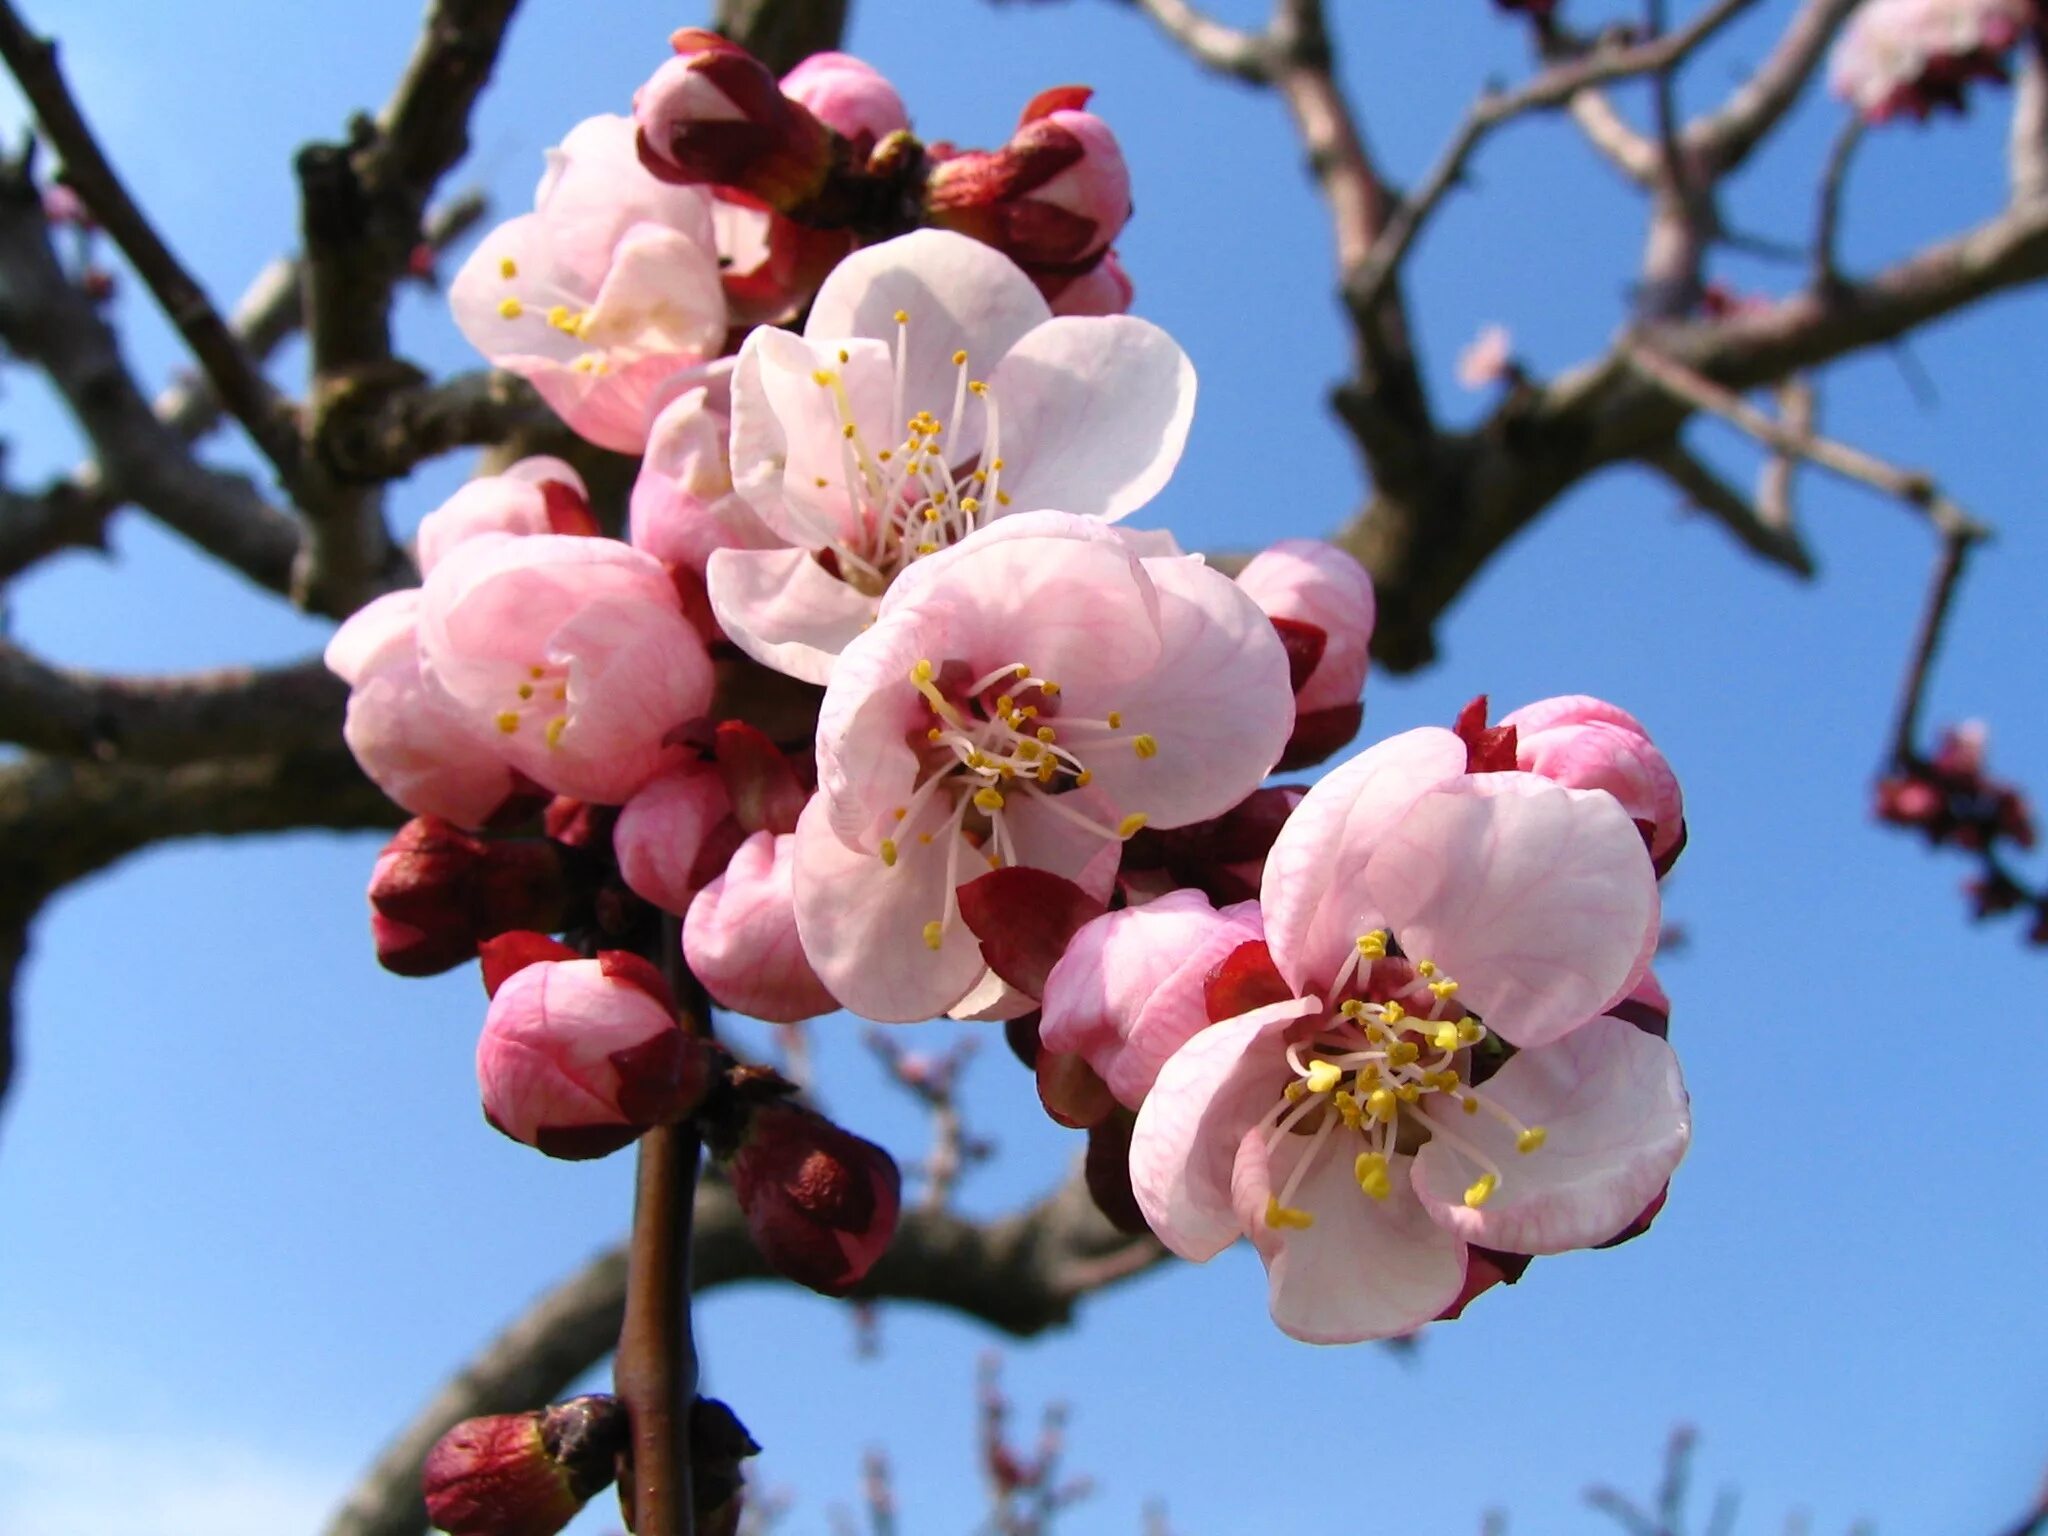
{"points": [[1724, 139], [1210, 43], [1707, 491], [1023, 1274], [249, 396]]}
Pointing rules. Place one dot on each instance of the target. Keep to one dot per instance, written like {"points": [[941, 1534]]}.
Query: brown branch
{"points": [[1022, 1274], [1942, 587], [655, 1373], [779, 33], [1708, 492], [1725, 138], [1798, 404], [1212, 44], [1827, 227], [410, 425], [166, 720], [2027, 145], [36, 526], [266, 416]]}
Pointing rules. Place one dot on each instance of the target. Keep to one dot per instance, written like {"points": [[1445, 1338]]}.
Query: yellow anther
{"points": [[1445, 1038], [886, 455], [1279, 1216], [845, 356], [976, 387], [1392, 1012], [989, 799], [925, 838], [934, 935], [959, 358], [508, 722], [1047, 770], [1050, 689], [1469, 1105], [903, 317], [508, 269], [934, 734], [526, 690], [1116, 720], [931, 514], [1470, 1033], [847, 431], [889, 852], [1443, 988], [1532, 1139], [993, 861], [555, 728], [1382, 1105], [995, 463], [1084, 778], [1370, 1169], [1004, 703], [1029, 750], [1047, 733], [1145, 746], [921, 672], [1408, 1093], [511, 309], [1007, 771], [822, 378], [1402, 1053], [821, 482], [536, 673], [900, 812], [1352, 1009], [927, 549], [969, 504], [1369, 1074], [1373, 946], [562, 317], [1295, 1091], [1425, 967], [1323, 1076], [1131, 825], [1349, 1108], [1030, 711], [1482, 1191]]}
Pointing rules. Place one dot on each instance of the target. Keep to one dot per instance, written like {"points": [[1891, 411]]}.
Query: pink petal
{"points": [[1537, 900], [1313, 582], [741, 937], [786, 610], [1094, 414], [1313, 892], [1616, 1120], [787, 430], [662, 831], [1209, 1093], [1366, 1269]]}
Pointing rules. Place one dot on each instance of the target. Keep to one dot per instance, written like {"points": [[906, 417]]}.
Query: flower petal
{"points": [[1616, 1123], [785, 610], [1537, 900]]}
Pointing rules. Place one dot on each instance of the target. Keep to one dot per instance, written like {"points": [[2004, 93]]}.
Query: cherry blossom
{"points": [[1321, 601], [536, 495], [605, 294], [1444, 1072], [683, 505], [932, 391], [574, 652], [1489, 358], [1030, 697], [1910, 57], [1587, 743]]}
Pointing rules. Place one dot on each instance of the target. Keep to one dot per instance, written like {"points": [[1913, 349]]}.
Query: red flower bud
{"points": [[523, 1474], [1052, 199], [820, 1202], [437, 892], [715, 114]]}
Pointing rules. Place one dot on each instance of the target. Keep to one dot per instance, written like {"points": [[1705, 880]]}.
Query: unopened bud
{"points": [[1052, 199], [437, 892], [719, 1443], [523, 1474], [715, 114], [820, 1203], [578, 1057], [849, 96]]}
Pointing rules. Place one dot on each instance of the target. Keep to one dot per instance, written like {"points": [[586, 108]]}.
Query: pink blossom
{"points": [[1912, 57], [683, 504], [1586, 743], [604, 294], [1129, 991], [849, 96], [931, 392], [536, 495], [578, 1057], [741, 937], [422, 752], [1104, 289], [1489, 358], [574, 652], [1416, 912], [666, 830], [1029, 698], [1310, 585]]}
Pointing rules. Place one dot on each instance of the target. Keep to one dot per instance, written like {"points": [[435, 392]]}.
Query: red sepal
{"points": [[1484, 1269], [1488, 748], [509, 953], [1055, 98], [636, 971], [1071, 1092], [1319, 733], [1242, 980], [1304, 643], [1107, 1170], [766, 794], [568, 512], [1025, 918], [1641, 1224]]}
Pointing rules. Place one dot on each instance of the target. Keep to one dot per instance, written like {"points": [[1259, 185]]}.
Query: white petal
{"points": [[785, 610]]}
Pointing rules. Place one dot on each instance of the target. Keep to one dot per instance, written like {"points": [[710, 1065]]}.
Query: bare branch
{"points": [[169, 720], [1707, 491], [410, 425], [2027, 149], [1017, 1274], [1942, 587], [1225, 49], [1826, 274], [33, 527], [240, 384], [1725, 138], [780, 34], [1614, 137], [1798, 405]]}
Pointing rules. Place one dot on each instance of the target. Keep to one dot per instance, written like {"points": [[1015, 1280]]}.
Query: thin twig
{"points": [[1934, 616], [1827, 228], [1225, 49]]}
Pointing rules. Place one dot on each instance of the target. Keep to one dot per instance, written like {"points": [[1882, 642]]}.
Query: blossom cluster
{"points": [[1911, 58], [1397, 1027]]}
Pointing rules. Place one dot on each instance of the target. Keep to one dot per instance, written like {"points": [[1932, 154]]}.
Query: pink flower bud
{"points": [[1586, 743], [437, 892], [714, 114], [537, 495], [1489, 358], [1321, 602], [1052, 199], [741, 941], [523, 1474], [668, 838], [820, 1202], [578, 1057], [63, 205], [1104, 289], [849, 96]]}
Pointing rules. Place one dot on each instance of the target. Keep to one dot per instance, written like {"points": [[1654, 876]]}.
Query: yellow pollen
{"points": [[889, 852], [959, 358], [921, 672], [847, 431], [536, 673], [1323, 1076], [934, 935], [989, 799], [1050, 690], [1116, 720], [1145, 746], [845, 356], [1425, 968], [1443, 988], [561, 694], [1402, 1053], [976, 387], [1469, 1106], [1382, 1105], [508, 269], [1349, 1108], [1445, 1038], [927, 549], [511, 309], [1130, 825], [1004, 703], [555, 728], [1280, 1216], [526, 690], [1370, 1170], [925, 838], [934, 734], [903, 317], [1470, 1033], [822, 379], [1295, 1091], [1084, 778], [1392, 1013], [1532, 1139], [1482, 1191], [969, 504], [1047, 733], [886, 455], [1408, 1093], [995, 464], [822, 482], [1046, 770], [508, 722], [1373, 946], [931, 514], [1352, 1009]]}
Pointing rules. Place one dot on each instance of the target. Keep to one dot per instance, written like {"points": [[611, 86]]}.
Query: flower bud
{"points": [[820, 1202], [741, 941], [714, 114], [719, 1442], [674, 836], [578, 1057], [1052, 199], [849, 96], [436, 893], [1321, 601], [1586, 743], [536, 495], [1104, 289], [523, 1474]]}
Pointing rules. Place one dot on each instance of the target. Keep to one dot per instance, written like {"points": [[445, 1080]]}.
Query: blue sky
{"points": [[249, 1217]]}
